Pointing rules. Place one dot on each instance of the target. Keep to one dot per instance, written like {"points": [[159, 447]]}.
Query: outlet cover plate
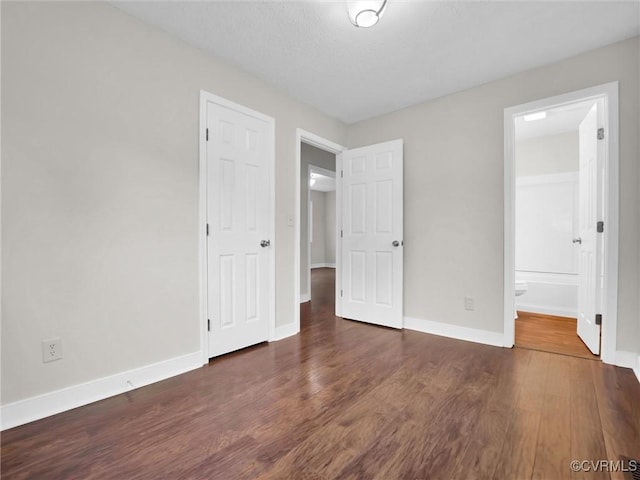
{"points": [[51, 349]]}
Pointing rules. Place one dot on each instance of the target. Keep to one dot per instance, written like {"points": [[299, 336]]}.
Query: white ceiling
{"points": [[565, 118], [420, 50]]}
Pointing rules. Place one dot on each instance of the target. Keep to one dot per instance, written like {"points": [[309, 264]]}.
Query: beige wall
{"points": [[323, 245], [100, 190], [309, 155], [547, 154], [453, 150]]}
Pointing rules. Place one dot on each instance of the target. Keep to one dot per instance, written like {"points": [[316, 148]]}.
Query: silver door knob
{"points": [[576, 240], [396, 243], [265, 243]]}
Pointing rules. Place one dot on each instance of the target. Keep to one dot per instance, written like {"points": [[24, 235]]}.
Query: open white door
{"points": [[589, 240], [372, 229], [239, 153]]}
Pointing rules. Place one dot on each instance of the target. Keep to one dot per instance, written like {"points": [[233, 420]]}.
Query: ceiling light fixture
{"points": [[365, 13], [535, 116]]}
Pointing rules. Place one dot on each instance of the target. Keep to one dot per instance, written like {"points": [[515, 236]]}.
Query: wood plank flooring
{"points": [[347, 400], [549, 333]]}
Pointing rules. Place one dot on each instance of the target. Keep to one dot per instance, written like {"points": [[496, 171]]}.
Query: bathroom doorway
{"points": [[560, 168]]}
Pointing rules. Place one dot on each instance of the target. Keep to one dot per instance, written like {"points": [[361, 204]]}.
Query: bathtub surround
{"points": [[546, 258]]}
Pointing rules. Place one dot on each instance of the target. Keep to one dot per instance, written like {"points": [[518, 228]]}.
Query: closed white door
{"points": [[239, 172], [589, 240], [372, 229]]}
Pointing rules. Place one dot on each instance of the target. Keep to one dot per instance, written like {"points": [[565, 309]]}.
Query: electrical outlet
{"points": [[51, 349], [469, 303]]}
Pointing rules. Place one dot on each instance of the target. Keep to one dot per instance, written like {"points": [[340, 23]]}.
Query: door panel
{"points": [[372, 218], [238, 214], [589, 196]]}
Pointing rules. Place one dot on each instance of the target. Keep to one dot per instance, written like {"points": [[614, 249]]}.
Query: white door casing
{"points": [[239, 176], [607, 97], [372, 233], [589, 241]]}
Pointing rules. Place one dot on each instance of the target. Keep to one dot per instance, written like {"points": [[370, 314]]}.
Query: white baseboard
{"points": [[546, 310], [305, 297], [323, 265], [626, 359], [47, 404], [284, 331], [636, 369], [454, 331]]}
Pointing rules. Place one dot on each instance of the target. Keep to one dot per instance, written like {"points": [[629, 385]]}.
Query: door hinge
{"points": [[600, 226], [207, 229], [341, 173], [598, 319], [600, 133], [341, 234], [207, 134], [340, 292], [208, 325]]}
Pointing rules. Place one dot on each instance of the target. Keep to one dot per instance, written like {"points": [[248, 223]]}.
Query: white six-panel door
{"points": [[372, 231], [239, 163], [590, 241]]}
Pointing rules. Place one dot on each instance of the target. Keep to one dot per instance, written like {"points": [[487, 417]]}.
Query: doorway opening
{"points": [[561, 189], [321, 239], [316, 245]]}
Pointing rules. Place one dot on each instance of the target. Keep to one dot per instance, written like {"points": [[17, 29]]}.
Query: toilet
{"points": [[521, 288]]}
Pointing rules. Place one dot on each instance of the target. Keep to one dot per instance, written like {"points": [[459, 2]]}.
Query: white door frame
{"points": [[206, 97], [609, 93], [331, 147]]}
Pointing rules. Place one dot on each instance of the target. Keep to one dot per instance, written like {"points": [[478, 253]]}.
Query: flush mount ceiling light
{"points": [[365, 13], [535, 116]]}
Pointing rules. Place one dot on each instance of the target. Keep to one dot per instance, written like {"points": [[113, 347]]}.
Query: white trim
{"points": [[305, 297], [338, 276], [206, 97], [45, 405], [625, 359], [202, 227], [454, 331], [636, 369], [609, 93], [284, 331], [309, 227], [329, 146], [558, 312], [323, 171], [323, 265]]}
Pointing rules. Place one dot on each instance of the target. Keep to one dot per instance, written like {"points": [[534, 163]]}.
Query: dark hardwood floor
{"points": [[351, 401], [549, 333]]}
